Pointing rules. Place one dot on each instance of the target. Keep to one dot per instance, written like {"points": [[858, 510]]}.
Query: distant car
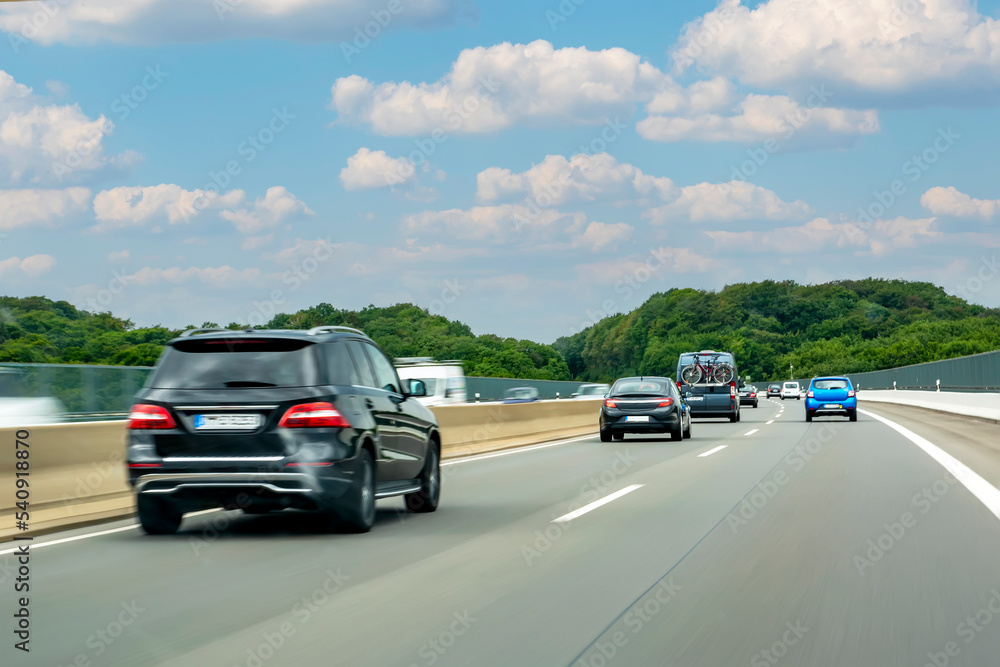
{"points": [[773, 390], [831, 396], [644, 405], [592, 391], [748, 395], [790, 390], [520, 395]]}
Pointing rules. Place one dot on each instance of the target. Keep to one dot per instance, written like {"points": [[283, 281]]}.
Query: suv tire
{"points": [[426, 499], [358, 510], [158, 516]]}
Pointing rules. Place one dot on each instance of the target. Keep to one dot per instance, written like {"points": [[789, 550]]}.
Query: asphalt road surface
{"points": [[765, 542]]}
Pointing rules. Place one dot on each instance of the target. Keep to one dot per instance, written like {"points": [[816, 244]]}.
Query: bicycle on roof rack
{"points": [[712, 370]]}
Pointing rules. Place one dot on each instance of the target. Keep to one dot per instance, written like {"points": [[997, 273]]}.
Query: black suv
{"points": [[267, 420]]}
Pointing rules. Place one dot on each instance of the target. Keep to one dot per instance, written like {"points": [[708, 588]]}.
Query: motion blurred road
{"points": [[769, 541]]}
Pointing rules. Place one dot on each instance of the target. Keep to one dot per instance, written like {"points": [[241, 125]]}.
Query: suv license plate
{"points": [[226, 422], [695, 398]]}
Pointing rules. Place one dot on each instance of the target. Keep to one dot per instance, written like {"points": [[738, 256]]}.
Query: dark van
{"points": [[710, 388]]}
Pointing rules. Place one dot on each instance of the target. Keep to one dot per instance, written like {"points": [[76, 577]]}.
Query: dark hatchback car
{"points": [[774, 390], [748, 395], [268, 420], [644, 405]]}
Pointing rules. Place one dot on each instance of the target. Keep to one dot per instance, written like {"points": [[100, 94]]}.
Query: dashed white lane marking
{"points": [[712, 451], [751, 432], [597, 503], [771, 422]]}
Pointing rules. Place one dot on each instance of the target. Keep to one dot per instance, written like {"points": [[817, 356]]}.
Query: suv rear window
{"points": [[235, 363]]}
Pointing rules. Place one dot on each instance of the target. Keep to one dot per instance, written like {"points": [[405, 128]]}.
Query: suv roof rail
{"points": [[194, 332], [315, 331]]}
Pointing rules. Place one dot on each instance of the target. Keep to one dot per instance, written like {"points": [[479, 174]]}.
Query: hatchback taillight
{"points": [[608, 403], [809, 394], [313, 415], [850, 393], [145, 416], [666, 403]]}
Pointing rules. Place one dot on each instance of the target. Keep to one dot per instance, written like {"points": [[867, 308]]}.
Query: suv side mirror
{"points": [[417, 388]]}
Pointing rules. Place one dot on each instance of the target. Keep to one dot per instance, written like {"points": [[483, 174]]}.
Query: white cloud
{"points": [[726, 202], [134, 206], [121, 256], [820, 236], [757, 118], [491, 88], [582, 177], [375, 169], [599, 235], [952, 202], [666, 258], [50, 143], [41, 208], [277, 205], [877, 45], [144, 22], [33, 266], [221, 277]]}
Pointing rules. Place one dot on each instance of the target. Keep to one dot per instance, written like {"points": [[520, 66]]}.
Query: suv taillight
{"points": [[732, 389], [313, 415], [145, 416]]}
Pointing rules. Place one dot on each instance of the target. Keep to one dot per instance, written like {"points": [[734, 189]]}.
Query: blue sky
{"points": [[740, 142]]}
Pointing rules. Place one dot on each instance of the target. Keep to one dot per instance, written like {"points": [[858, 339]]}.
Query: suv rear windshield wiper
{"points": [[248, 383]]}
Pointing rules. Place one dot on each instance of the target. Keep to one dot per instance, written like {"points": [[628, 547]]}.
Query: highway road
{"points": [[764, 542]]}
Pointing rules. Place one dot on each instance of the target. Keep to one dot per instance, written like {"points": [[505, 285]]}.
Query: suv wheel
{"points": [[426, 499], [158, 516], [358, 511]]}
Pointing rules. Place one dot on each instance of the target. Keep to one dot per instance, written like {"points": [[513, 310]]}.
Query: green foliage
{"points": [[38, 330], [846, 326]]}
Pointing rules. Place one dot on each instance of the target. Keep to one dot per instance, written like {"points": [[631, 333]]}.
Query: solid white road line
{"points": [[38, 545], [987, 494], [751, 432], [597, 503], [712, 451]]}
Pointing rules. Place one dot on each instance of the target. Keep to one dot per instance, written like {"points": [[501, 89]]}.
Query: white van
{"points": [[445, 380], [790, 390]]}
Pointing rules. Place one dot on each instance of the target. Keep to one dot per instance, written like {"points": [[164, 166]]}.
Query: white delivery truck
{"points": [[445, 380]]}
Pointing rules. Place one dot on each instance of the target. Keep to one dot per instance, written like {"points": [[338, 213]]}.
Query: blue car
{"points": [[831, 396]]}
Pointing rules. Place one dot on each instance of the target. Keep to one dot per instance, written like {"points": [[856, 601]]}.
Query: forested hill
{"points": [[839, 327], [36, 329]]}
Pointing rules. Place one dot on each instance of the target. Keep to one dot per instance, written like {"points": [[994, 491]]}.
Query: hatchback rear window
{"points": [[830, 384], [236, 363], [656, 387]]}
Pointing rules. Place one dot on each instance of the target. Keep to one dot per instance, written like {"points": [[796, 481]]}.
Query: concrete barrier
{"points": [[969, 404], [77, 471]]}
